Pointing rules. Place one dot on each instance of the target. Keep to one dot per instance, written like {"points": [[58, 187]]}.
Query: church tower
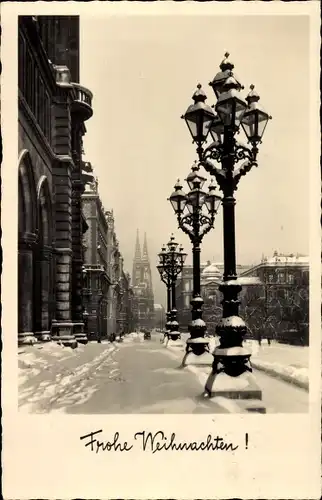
{"points": [[145, 264], [136, 270], [142, 285]]}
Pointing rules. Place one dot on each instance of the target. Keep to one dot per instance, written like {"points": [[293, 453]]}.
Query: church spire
{"points": [[137, 254], [145, 255]]}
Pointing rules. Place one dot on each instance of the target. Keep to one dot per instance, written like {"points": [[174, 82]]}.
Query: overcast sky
{"points": [[143, 72]]}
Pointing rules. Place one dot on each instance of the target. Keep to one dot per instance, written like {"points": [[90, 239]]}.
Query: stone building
{"points": [[115, 269], [125, 314], [52, 112], [96, 277], [211, 276], [142, 286], [107, 289]]}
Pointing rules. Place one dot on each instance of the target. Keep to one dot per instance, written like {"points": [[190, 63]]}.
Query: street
{"points": [[139, 376]]}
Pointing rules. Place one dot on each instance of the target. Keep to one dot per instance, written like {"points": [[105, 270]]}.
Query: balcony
{"points": [[82, 103]]}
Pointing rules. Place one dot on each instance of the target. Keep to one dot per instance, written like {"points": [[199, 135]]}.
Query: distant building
{"points": [[96, 271], [126, 321], [275, 299], [52, 110], [107, 291], [211, 276], [142, 286]]}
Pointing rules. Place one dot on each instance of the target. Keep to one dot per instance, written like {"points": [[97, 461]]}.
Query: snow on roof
{"points": [[211, 270], [287, 260], [248, 280]]}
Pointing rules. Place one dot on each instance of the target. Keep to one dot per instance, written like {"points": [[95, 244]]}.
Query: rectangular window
{"points": [[290, 279], [280, 277], [22, 64], [270, 278], [42, 104], [28, 78], [36, 93], [48, 119]]}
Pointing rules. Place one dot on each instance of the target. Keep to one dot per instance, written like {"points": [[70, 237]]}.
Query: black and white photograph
{"points": [[138, 292], [164, 250]]}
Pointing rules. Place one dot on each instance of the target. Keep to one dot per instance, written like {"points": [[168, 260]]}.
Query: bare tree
{"points": [[278, 312], [295, 314]]}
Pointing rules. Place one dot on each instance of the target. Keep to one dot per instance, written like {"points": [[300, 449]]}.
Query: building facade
{"points": [[115, 265], [107, 289], [274, 300], [278, 306], [211, 276], [142, 286], [125, 312], [53, 109], [96, 278]]}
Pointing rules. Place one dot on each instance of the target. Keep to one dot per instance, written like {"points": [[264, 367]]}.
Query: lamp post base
{"points": [[164, 338], [43, 336], [80, 335], [66, 340], [173, 340], [197, 353], [242, 387], [26, 338]]}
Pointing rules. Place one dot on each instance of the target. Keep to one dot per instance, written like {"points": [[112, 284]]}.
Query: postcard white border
{"points": [[42, 455]]}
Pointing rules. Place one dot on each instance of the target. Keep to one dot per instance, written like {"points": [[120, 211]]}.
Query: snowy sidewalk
{"points": [[286, 362], [46, 370]]}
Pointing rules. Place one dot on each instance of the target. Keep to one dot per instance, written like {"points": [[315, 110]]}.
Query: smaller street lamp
{"points": [[195, 221], [171, 261]]}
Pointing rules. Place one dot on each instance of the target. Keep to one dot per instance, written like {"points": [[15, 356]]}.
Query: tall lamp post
{"points": [[232, 114], [195, 213], [171, 261]]}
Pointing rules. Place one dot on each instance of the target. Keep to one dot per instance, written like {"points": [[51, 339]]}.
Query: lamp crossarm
{"points": [[187, 225], [217, 152], [242, 170], [165, 280], [170, 274], [208, 165], [240, 152]]}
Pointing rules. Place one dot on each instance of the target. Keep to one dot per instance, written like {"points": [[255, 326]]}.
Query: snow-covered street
{"points": [[142, 376]]}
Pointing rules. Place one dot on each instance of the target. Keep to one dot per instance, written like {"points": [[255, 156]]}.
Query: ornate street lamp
{"points": [[233, 113], [195, 213], [166, 279], [171, 261]]}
